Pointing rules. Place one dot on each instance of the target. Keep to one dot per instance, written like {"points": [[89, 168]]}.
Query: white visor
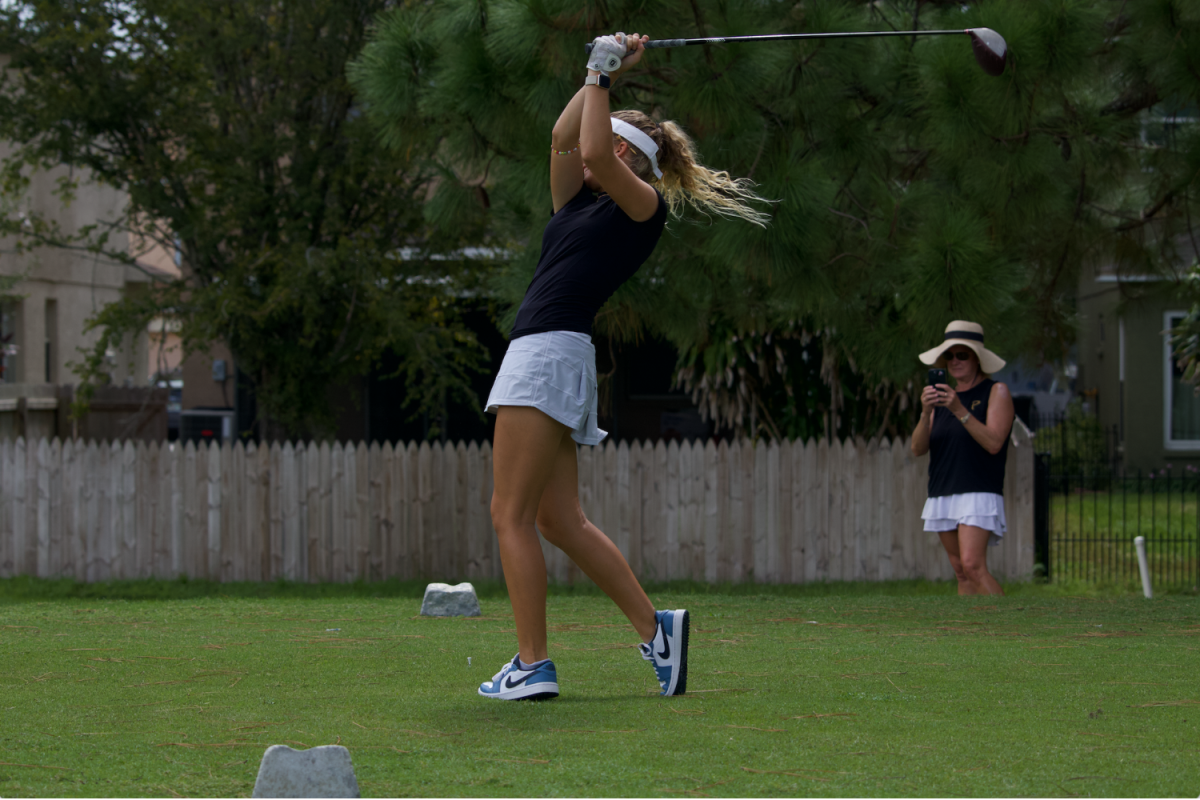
{"points": [[639, 140]]}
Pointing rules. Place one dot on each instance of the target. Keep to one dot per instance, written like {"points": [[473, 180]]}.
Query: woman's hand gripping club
{"points": [[613, 55]]}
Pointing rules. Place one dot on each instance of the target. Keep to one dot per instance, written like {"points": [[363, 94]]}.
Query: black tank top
{"points": [[957, 463], [589, 248]]}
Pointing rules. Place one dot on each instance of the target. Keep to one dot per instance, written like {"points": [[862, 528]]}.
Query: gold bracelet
{"points": [[565, 152], [964, 418]]}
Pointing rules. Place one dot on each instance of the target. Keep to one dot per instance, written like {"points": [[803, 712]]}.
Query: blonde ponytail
{"points": [[687, 181]]}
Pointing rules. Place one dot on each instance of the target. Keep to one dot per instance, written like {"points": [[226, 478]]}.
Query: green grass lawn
{"points": [[1125, 514], [790, 693]]}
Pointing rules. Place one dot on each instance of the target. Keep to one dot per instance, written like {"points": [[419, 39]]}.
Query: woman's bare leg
{"points": [[524, 455], [950, 543], [973, 545], [562, 522]]}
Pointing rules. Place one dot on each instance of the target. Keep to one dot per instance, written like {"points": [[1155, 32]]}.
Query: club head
{"points": [[991, 51]]}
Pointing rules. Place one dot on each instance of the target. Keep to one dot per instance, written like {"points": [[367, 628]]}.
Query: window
{"points": [[51, 340], [1181, 405], [8, 343]]}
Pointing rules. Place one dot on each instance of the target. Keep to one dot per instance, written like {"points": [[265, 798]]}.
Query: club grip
{"points": [[587, 48], [656, 43]]}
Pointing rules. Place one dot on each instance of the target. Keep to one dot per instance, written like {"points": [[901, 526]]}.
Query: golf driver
{"points": [[991, 51]]}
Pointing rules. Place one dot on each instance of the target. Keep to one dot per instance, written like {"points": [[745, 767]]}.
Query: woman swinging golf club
{"points": [[613, 179]]}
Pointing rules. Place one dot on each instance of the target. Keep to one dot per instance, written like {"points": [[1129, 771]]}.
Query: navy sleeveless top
{"points": [[589, 248], [957, 463]]}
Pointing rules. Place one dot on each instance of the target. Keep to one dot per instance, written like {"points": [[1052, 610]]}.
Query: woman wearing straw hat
{"points": [[965, 430]]}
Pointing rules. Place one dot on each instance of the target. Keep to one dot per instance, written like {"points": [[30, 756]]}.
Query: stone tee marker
{"points": [[444, 600], [323, 771]]}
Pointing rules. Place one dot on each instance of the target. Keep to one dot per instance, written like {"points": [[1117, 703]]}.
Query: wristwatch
{"points": [[963, 419], [603, 81]]}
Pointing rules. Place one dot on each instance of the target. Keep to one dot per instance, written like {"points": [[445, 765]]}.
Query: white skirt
{"points": [[980, 509], [554, 372]]}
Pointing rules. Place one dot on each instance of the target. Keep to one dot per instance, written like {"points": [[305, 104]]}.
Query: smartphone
{"points": [[935, 377]]}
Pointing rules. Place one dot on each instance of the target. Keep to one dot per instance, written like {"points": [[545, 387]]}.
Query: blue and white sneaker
{"points": [[667, 651], [514, 683]]}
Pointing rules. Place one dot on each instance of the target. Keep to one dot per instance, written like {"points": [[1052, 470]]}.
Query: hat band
{"points": [[975, 337]]}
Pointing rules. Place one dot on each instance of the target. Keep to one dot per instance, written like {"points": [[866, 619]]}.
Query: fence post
{"points": [[1041, 514]]}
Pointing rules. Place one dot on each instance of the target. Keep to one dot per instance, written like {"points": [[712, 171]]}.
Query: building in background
{"points": [[1127, 376], [43, 325]]}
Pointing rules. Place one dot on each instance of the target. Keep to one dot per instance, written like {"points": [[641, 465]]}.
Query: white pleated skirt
{"points": [[554, 372], [980, 509]]}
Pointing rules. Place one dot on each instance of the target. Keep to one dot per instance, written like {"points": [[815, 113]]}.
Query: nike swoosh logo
{"points": [[666, 653], [511, 684]]}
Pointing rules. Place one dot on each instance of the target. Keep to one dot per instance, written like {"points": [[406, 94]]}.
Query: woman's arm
{"points": [[566, 171], [920, 436], [566, 160], [634, 196], [993, 434]]}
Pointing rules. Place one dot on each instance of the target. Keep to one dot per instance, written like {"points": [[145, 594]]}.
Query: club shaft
{"points": [[779, 37]]}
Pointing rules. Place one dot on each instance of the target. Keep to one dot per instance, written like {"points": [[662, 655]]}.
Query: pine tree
{"points": [[910, 187], [1162, 52]]}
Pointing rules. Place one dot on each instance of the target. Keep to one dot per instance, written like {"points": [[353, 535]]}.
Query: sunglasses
{"points": [[959, 355]]}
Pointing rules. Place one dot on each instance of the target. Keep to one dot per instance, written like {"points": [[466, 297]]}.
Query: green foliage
{"points": [[1077, 444], [1185, 337], [789, 383], [912, 188], [232, 129]]}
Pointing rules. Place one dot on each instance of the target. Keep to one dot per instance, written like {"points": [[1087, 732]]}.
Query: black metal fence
{"points": [[1088, 509]]}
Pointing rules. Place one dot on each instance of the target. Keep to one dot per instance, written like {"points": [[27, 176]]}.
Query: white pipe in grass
{"points": [[1139, 542]]}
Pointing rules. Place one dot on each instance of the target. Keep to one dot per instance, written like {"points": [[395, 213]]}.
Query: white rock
{"points": [[444, 600], [323, 771]]}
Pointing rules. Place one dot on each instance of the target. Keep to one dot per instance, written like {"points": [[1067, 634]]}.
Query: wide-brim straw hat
{"points": [[968, 334]]}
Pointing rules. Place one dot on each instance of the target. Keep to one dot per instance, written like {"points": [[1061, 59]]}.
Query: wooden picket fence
{"points": [[778, 512]]}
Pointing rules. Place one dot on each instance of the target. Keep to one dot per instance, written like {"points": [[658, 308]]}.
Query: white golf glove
{"points": [[607, 52]]}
